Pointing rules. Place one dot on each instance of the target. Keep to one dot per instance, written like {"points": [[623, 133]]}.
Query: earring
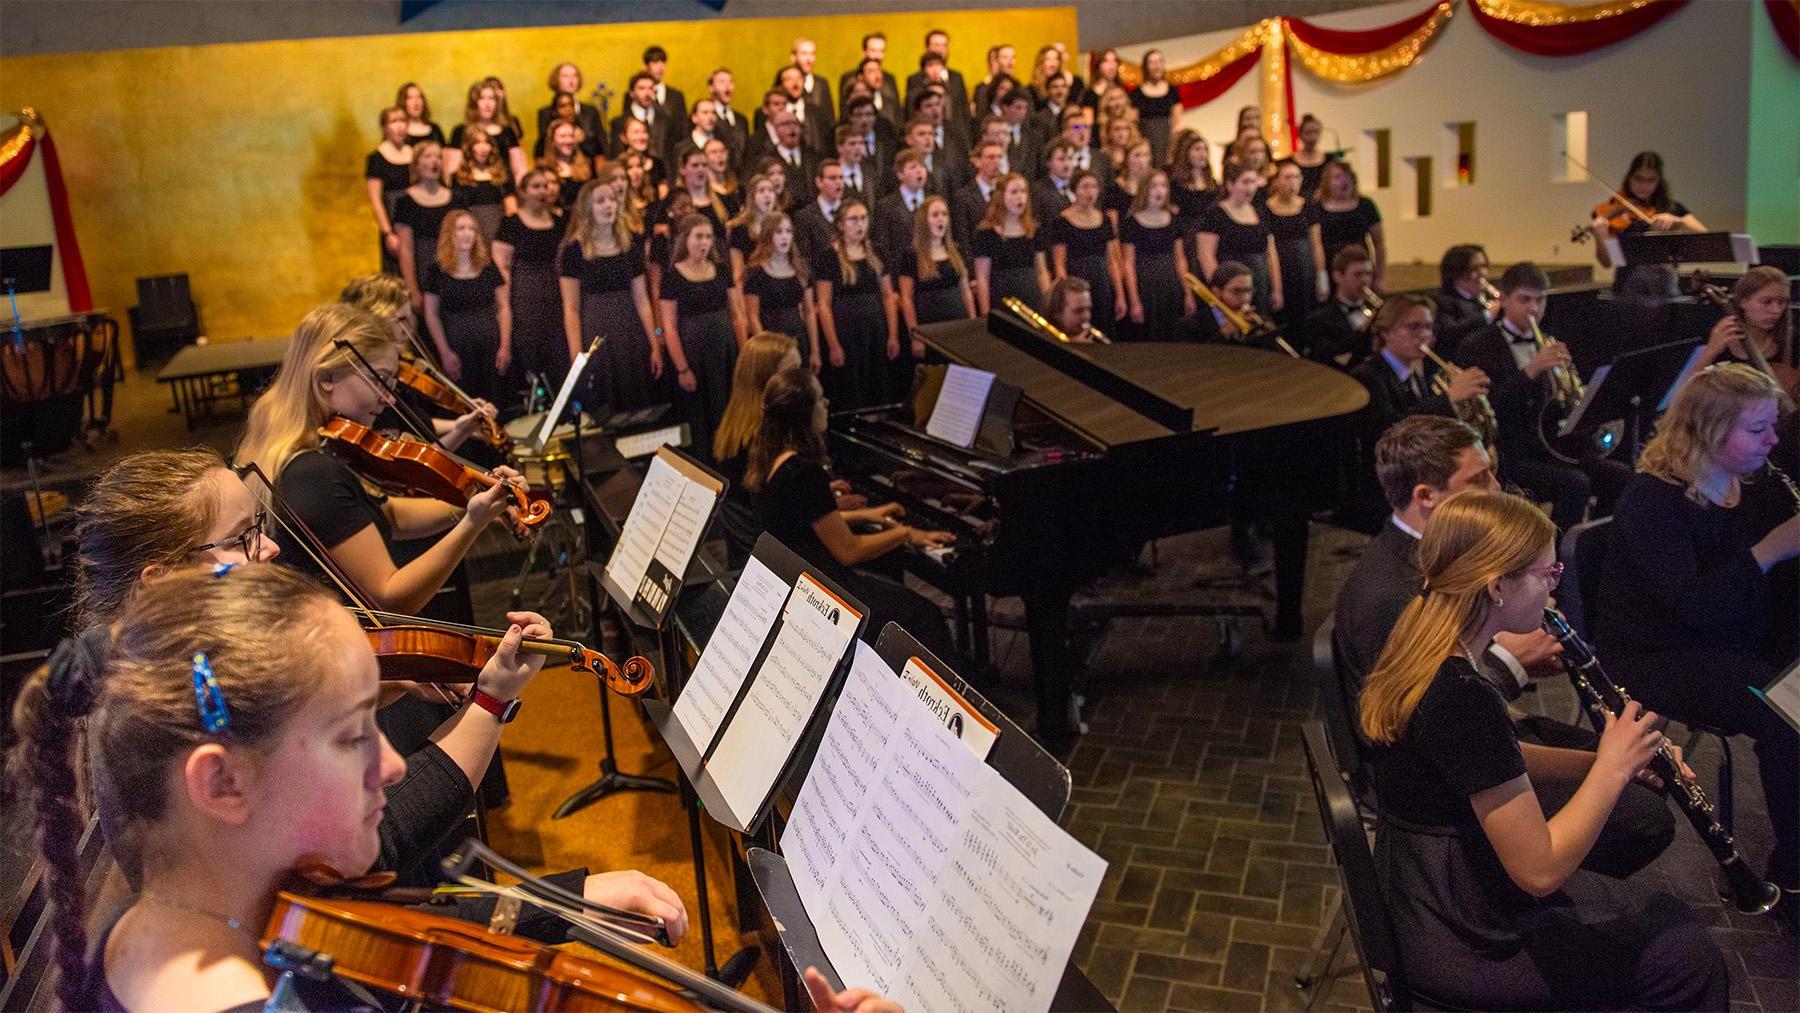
{"points": [[1499, 602]]}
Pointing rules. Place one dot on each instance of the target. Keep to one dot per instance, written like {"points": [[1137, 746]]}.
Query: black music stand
{"points": [[23, 269], [1676, 248], [1021, 760], [1635, 386]]}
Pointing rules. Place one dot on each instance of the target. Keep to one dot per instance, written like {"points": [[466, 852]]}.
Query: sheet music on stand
{"points": [[961, 402], [751, 702], [925, 873], [1783, 694], [661, 533]]}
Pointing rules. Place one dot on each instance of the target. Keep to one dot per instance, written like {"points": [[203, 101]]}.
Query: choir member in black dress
{"points": [[418, 213], [792, 491], [525, 249], [778, 294], [934, 278], [1008, 258], [761, 200], [419, 126], [1192, 188], [1122, 192], [1648, 191], [482, 185], [698, 331], [644, 186], [565, 79], [1158, 104], [857, 315], [1490, 909], [1308, 156], [1103, 78], [1463, 306], [1083, 245], [635, 138], [1337, 331], [604, 293], [1346, 216], [1759, 314], [467, 313], [1153, 261], [1235, 229], [660, 242], [721, 177], [567, 164], [388, 172], [1117, 134], [1700, 582], [1294, 225], [1252, 151], [565, 107], [1522, 376], [485, 111]]}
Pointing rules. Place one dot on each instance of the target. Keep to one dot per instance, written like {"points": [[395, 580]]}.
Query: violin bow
{"points": [[423, 361], [359, 599], [420, 426], [1614, 194]]}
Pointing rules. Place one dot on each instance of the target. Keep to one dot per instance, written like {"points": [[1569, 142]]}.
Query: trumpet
{"points": [[1364, 315], [1246, 322], [1477, 411], [1565, 384], [1042, 324]]}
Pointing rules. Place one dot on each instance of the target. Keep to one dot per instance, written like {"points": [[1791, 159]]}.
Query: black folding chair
{"points": [[164, 319]]}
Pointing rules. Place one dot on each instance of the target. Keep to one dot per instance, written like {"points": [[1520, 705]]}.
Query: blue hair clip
{"points": [[221, 569], [209, 699]]}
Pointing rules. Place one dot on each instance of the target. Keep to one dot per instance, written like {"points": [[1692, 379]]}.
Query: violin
{"points": [[429, 651], [442, 961], [435, 387], [428, 470]]}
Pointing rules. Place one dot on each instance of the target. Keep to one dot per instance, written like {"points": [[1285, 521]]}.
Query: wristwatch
{"points": [[505, 710]]}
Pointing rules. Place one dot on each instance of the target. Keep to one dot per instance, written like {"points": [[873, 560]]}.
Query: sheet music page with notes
{"points": [[956, 418], [730, 651], [642, 536], [687, 521], [816, 627], [952, 891]]}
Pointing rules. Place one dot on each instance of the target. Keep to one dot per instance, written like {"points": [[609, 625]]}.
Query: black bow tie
{"points": [[1517, 338]]}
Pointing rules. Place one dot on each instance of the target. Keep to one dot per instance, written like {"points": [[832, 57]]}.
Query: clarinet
{"points": [[1603, 697]]}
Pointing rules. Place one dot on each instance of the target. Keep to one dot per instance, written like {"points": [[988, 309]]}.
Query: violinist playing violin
{"points": [[1641, 204]]}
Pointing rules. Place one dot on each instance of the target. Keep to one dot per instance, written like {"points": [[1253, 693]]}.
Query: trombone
{"points": [[1490, 297], [1364, 315], [1042, 324], [1246, 322], [1478, 411]]}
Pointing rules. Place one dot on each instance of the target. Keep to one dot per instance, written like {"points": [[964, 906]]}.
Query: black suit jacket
{"points": [[893, 229], [967, 208], [1390, 400], [956, 96], [812, 233], [875, 184], [892, 109], [1457, 318], [820, 97], [1026, 155], [1517, 398], [1329, 334], [674, 106], [1047, 202], [815, 130]]}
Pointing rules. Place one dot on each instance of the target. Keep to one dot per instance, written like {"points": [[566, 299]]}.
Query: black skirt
{"points": [[620, 372], [1020, 283], [1299, 283], [862, 331], [939, 304], [474, 335], [789, 321], [1164, 299], [540, 344], [1093, 270], [710, 344]]}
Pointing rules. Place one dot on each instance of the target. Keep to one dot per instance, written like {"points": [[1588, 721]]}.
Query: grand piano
{"points": [[1108, 446]]}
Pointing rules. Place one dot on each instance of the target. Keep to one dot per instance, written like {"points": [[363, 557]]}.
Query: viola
{"points": [[1785, 376], [433, 386], [428, 651], [443, 961], [428, 470]]}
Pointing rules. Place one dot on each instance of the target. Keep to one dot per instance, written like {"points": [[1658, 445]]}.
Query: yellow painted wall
{"points": [[242, 164]]}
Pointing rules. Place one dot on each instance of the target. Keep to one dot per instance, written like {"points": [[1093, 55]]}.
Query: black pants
{"points": [[1568, 487], [1708, 687]]}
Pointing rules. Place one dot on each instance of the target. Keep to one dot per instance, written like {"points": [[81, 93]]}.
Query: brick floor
{"points": [[1191, 782]]}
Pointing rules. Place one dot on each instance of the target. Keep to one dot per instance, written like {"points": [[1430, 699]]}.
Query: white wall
{"points": [[1681, 88]]}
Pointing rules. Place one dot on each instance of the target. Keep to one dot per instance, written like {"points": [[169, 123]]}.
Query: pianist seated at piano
{"points": [[1072, 309], [794, 502], [1337, 331], [1235, 286]]}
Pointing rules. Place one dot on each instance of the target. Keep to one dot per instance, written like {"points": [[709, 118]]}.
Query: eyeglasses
{"points": [[247, 541], [1554, 571]]}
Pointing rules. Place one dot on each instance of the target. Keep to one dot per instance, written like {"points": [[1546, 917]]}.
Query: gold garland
{"points": [[17, 136], [1349, 69], [1233, 51], [1274, 91], [1538, 14]]}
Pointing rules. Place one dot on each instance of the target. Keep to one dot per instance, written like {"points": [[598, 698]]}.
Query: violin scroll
{"points": [[630, 680]]}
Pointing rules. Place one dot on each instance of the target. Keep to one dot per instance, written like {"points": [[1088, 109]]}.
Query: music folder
{"points": [[25, 268], [669, 517], [1628, 383], [750, 708]]}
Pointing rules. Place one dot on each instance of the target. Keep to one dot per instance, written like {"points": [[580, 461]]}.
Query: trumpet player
{"points": [[1072, 309], [1337, 332], [1465, 302], [1524, 372], [1235, 286]]}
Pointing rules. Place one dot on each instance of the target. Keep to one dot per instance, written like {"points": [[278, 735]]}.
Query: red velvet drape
{"points": [[1353, 43], [1577, 37], [1197, 93], [1785, 16], [68, 249]]}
